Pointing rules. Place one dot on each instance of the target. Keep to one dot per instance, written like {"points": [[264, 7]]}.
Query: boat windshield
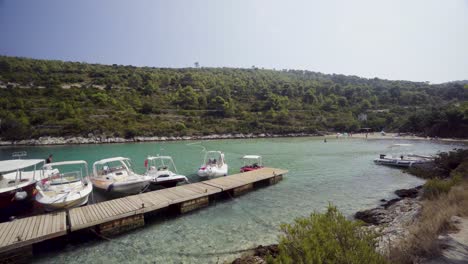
{"points": [[64, 178], [214, 158], [161, 164], [112, 166]]}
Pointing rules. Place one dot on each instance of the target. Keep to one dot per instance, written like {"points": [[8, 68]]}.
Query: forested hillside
{"points": [[55, 98]]}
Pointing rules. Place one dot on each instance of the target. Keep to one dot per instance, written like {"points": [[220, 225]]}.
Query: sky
{"points": [[417, 40]]}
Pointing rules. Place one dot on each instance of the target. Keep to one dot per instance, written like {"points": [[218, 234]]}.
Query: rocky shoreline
{"points": [[391, 220], [102, 139]]}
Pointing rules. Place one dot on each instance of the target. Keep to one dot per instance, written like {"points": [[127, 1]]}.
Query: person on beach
{"points": [[49, 159]]}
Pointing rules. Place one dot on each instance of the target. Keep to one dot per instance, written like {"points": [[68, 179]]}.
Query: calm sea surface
{"points": [[339, 172]]}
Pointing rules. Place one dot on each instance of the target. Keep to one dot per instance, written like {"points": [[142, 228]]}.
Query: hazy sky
{"points": [[420, 40]]}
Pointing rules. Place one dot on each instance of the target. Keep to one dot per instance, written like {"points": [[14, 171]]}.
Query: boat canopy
{"points": [[104, 161], [18, 164], [252, 157], [214, 151], [159, 157], [73, 162]]}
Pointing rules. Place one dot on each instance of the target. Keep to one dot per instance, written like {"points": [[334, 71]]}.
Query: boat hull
{"points": [[206, 171], [249, 168], [167, 183], [125, 188], [68, 197], [8, 199], [399, 163], [65, 205]]}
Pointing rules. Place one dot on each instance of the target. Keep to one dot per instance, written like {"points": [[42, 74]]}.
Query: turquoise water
{"points": [[339, 172]]}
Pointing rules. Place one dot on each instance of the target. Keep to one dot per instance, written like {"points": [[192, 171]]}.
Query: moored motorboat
{"points": [[405, 161], [18, 178], [251, 163], [65, 189], [115, 175], [163, 171], [214, 165]]}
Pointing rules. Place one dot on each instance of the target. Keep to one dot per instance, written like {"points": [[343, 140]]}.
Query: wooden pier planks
{"points": [[95, 214], [237, 180], [26, 231]]}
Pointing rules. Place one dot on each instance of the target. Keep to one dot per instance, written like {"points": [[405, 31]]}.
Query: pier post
{"points": [[121, 225], [242, 189], [275, 179], [194, 204]]}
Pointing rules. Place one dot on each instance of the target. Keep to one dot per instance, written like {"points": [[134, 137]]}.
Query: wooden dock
{"points": [[122, 214], [30, 230]]}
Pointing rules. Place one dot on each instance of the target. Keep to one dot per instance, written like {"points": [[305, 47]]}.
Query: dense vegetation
{"points": [[55, 98], [327, 238], [449, 169]]}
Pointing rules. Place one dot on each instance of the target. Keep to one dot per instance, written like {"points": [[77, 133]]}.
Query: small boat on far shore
{"points": [[404, 161]]}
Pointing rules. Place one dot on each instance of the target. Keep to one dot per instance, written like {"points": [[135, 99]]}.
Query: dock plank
{"points": [[27, 231]]}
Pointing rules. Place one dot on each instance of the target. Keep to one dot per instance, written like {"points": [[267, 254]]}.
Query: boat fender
{"points": [[19, 196], [109, 189], [146, 163]]}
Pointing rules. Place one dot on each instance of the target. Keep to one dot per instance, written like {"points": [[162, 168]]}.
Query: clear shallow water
{"points": [[339, 172]]}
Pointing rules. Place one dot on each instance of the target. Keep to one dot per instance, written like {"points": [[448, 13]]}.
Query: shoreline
{"points": [[390, 218], [102, 139]]}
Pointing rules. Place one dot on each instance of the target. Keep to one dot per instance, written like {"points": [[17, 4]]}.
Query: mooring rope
{"points": [[197, 144]]}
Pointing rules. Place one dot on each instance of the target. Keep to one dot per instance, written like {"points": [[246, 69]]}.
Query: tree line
{"points": [[56, 98]]}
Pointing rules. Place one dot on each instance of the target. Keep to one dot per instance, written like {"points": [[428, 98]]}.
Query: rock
{"points": [[391, 221], [408, 193], [249, 260], [389, 203], [259, 255], [375, 216], [263, 251]]}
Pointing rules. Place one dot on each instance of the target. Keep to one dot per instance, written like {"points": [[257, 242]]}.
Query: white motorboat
{"points": [[64, 190], [115, 175], [163, 171], [213, 165], [18, 178], [405, 161]]}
